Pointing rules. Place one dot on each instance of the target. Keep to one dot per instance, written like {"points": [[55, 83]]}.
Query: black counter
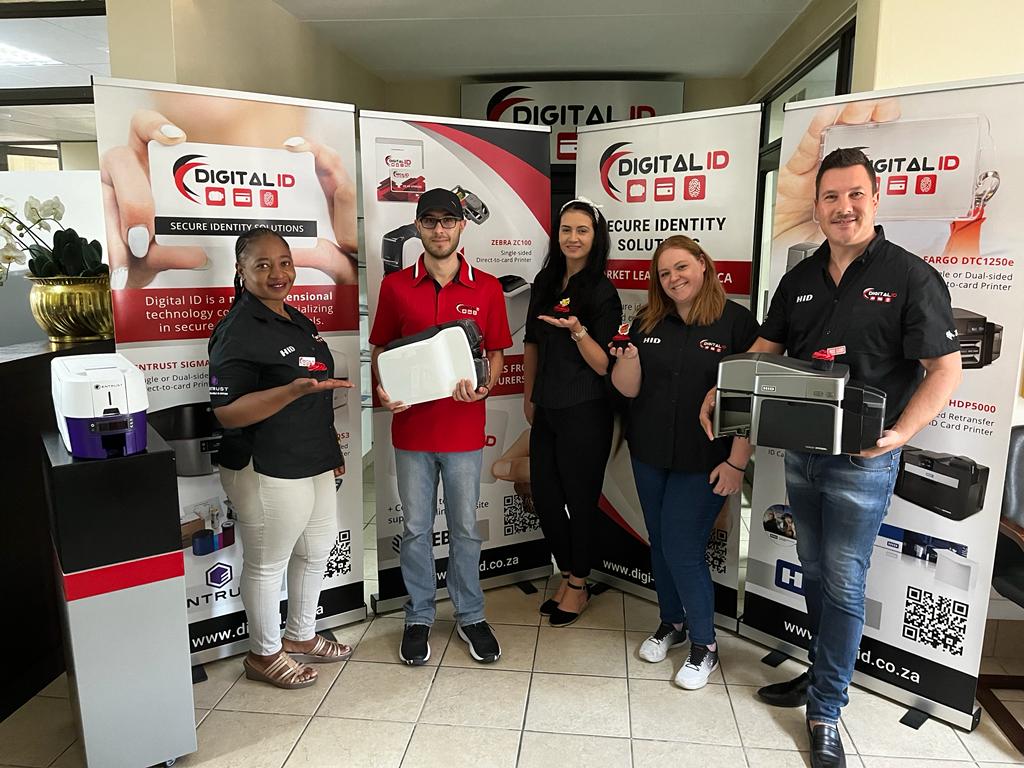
{"points": [[32, 644]]}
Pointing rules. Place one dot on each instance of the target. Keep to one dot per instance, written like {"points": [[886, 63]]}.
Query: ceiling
{"points": [[48, 122], [76, 45], [412, 40]]}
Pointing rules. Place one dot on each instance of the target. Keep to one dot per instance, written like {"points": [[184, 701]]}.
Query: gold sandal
{"points": [[282, 672], [324, 652]]}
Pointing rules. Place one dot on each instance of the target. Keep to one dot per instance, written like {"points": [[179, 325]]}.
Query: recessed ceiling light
{"points": [[18, 57]]}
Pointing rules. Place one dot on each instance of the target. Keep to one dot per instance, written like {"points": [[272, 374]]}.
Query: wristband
{"points": [[738, 469], [578, 337]]}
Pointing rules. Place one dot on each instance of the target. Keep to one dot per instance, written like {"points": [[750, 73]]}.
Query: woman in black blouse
{"points": [[573, 315], [271, 388], [677, 341]]}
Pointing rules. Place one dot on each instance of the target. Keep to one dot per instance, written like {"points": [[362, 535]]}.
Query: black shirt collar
{"points": [[260, 311], [825, 251]]}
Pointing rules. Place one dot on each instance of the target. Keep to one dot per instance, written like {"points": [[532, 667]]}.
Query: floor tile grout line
{"points": [[735, 720], [301, 734]]}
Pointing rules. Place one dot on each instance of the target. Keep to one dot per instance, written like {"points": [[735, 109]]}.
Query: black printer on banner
{"points": [[980, 339], [951, 486], [781, 402]]}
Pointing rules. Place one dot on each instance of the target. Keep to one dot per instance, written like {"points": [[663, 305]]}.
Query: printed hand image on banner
{"points": [[692, 174], [501, 178], [940, 155], [184, 172]]}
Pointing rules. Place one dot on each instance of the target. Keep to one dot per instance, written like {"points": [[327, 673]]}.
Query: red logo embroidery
{"points": [[711, 346], [318, 367]]}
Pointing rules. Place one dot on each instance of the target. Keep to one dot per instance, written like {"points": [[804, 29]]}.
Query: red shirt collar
{"points": [[466, 274]]}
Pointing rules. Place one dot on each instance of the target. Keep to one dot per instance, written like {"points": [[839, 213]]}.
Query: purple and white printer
{"points": [[100, 402]]}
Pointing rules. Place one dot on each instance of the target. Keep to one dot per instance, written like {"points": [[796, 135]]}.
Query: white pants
{"points": [[283, 524]]}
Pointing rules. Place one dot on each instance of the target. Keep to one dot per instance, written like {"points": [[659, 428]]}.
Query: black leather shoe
{"points": [[826, 746], [548, 607], [792, 693]]}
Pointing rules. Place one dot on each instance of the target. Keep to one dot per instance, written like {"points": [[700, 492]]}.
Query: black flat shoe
{"points": [[792, 693], [560, 618], [826, 746]]}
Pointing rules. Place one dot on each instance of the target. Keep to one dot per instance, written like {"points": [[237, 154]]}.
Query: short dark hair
{"points": [[845, 157]]}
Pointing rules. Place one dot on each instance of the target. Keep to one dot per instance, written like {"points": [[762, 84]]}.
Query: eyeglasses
{"points": [[431, 222]]}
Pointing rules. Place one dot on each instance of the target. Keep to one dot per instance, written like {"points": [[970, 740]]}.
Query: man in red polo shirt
{"points": [[442, 438]]}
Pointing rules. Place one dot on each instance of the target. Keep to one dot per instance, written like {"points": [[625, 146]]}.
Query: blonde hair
{"points": [[709, 302]]}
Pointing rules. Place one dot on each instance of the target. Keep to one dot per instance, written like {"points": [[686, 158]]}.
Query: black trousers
{"points": [[568, 452]]}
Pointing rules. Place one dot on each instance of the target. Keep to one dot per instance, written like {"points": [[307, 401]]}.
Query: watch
{"points": [[578, 336]]}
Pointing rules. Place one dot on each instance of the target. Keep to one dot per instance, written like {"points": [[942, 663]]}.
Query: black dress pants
{"points": [[568, 452]]}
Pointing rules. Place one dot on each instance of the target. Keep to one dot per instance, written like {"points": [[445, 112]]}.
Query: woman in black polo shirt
{"points": [[270, 387], [573, 315], [677, 340]]}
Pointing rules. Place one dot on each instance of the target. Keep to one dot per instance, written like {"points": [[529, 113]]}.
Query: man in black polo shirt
{"points": [[886, 313]]}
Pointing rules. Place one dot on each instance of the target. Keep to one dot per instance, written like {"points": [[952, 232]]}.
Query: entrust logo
{"points": [[608, 159], [500, 101], [218, 575]]}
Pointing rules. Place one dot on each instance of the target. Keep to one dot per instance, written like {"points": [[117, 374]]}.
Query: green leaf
{"points": [[71, 259], [91, 255], [39, 251], [50, 270]]}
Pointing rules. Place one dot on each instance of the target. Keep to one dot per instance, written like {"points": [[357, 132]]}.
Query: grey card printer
{"points": [[781, 402]]}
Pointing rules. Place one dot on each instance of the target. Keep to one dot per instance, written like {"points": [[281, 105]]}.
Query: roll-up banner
{"points": [[693, 174], [185, 171], [502, 175], [568, 105], [949, 164]]}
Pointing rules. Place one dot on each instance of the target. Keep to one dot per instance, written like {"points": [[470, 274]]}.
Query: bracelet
{"points": [[738, 469], [578, 337]]}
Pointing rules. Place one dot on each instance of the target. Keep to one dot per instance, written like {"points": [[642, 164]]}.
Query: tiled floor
{"points": [[577, 696]]}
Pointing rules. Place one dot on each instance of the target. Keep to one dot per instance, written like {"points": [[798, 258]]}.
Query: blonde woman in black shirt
{"points": [[682, 478], [573, 315]]}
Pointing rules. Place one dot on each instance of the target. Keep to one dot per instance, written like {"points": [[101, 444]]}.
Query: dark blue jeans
{"points": [[679, 509], [838, 505]]}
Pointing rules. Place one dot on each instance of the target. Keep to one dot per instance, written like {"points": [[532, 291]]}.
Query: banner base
{"points": [[392, 604], [966, 721], [722, 621], [242, 646]]}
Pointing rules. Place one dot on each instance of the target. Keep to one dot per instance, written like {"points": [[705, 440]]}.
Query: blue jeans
{"points": [[679, 509], [418, 473], [838, 505]]}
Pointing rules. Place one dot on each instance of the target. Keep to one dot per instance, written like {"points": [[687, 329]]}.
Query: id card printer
{"points": [[782, 402]]}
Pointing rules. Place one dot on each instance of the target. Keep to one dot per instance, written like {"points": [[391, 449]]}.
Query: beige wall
{"points": [[911, 42], [425, 97], [820, 20], [79, 156], [247, 45], [714, 93]]}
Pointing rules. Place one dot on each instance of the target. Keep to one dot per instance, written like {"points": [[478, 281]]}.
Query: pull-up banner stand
{"points": [[185, 171], [949, 163], [692, 174], [502, 174]]}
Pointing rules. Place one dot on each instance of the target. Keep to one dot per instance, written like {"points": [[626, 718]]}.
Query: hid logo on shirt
{"points": [[789, 576], [209, 194]]}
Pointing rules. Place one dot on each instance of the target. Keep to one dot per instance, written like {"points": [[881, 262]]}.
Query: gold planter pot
{"points": [[73, 308]]}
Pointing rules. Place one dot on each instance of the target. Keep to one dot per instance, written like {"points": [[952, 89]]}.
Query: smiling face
{"points": [[266, 268], [575, 237], [439, 242], [681, 275], [846, 207]]}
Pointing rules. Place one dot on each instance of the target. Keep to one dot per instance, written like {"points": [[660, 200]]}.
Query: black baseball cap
{"points": [[440, 199]]}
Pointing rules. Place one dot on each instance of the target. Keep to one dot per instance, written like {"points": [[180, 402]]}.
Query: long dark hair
{"points": [[548, 283], [243, 242]]}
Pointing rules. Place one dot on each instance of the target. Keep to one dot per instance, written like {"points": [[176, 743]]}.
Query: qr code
{"points": [[519, 517], [934, 620], [717, 552], [339, 562]]}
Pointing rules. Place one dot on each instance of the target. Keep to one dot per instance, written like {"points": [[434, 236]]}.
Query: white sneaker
{"points": [[697, 668], [655, 648]]}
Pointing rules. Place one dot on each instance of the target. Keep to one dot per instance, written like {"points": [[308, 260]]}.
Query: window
{"points": [[826, 73]]}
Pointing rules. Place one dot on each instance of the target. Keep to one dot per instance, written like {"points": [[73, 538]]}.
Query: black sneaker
{"points": [[415, 650], [483, 645]]}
